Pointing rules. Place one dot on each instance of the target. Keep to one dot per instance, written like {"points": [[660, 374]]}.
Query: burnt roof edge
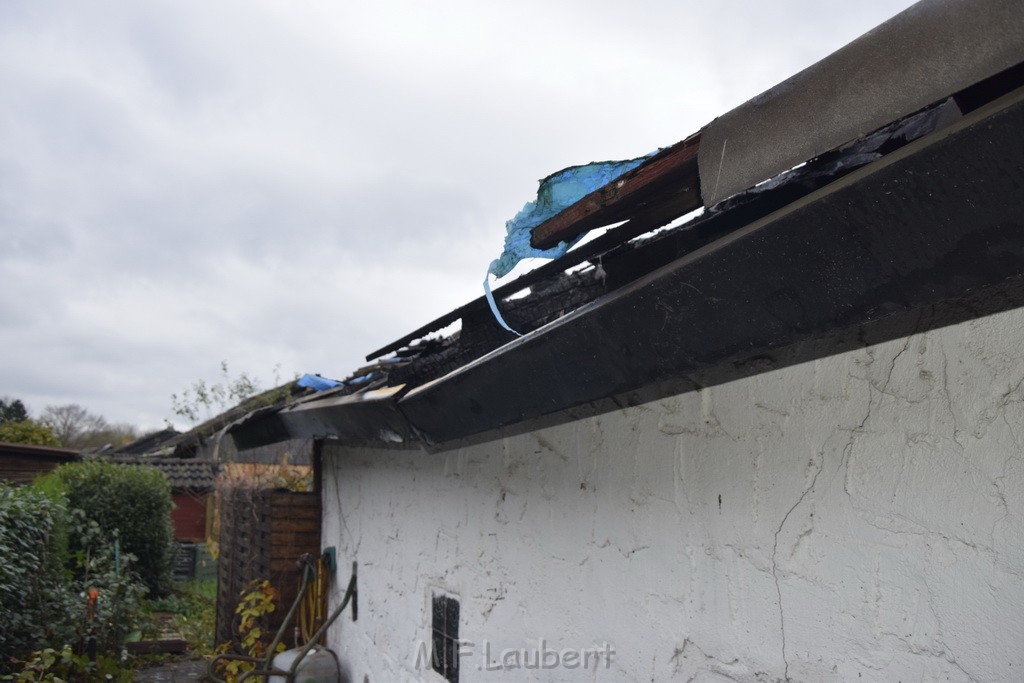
{"points": [[893, 240], [932, 223]]}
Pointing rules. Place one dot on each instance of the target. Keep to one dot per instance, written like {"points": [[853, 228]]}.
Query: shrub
{"points": [[258, 600], [133, 501], [45, 586], [51, 666], [100, 569], [31, 575], [28, 432]]}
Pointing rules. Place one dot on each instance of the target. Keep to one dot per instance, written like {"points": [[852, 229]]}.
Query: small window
{"points": [[445, 634]]}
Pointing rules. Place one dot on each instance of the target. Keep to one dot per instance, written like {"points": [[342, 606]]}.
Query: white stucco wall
{"points": [[857, 518]]}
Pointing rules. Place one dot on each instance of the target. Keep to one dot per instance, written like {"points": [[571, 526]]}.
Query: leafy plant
{"points": [[64, 666], [205, 396], [28, 432], [103, 571], [259, 600], [194, 606], [45, 589], [199, 618], [31, 571]]}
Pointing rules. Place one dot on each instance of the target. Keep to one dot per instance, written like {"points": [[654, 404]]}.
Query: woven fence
{"points": [[262, 535]]}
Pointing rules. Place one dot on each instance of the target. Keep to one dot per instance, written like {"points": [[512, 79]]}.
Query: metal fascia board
{"points": [[370, 418]]}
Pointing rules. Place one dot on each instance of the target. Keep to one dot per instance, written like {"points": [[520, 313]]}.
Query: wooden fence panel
{"points": [[263, 534]]}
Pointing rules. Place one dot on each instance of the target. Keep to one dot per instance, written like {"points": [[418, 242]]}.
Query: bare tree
{"points": [[116, 434], [71, 423]]}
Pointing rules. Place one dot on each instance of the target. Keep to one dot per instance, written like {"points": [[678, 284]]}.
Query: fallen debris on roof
{"points": [[316, 382]]}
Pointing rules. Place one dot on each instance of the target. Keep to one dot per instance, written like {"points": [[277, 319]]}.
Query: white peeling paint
{"points": [[858, 518]]}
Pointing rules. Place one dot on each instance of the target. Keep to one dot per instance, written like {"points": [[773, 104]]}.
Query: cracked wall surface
{"points": [[859, 517]]}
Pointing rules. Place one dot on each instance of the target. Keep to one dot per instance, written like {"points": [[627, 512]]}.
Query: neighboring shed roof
{"points": [[21, 463], [202, 440], [182, 474], [147, 443], [876, 233]]}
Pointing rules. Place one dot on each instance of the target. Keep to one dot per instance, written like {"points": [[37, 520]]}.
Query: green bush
{"points": [[64, 666], [133, 501], [28, 432], [52, 557], [31, 573], [99, 566]]}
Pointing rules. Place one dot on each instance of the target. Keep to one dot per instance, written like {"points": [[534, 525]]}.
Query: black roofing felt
{"points": [[148, 442]]}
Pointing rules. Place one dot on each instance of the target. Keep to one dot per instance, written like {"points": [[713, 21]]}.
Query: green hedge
{"points": [[135, 501], [31, 572], [86, 526]]}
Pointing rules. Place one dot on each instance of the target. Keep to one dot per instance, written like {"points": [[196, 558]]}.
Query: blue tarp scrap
{"points": [[557, 192], [364, 378], [317, 383]]}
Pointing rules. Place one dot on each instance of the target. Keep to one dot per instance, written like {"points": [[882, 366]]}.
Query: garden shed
{"points": [[192, 483], [21, 463]]}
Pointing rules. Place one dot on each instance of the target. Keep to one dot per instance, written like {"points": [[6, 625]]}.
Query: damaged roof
{"points": [[202, 439], [872, 195]]}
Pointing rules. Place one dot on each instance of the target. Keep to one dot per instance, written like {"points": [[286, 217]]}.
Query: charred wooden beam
{"points": [[638, 225], [669, 177]]}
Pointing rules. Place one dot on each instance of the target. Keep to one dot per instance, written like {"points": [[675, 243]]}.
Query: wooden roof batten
{"points": [[669, 179], [663, 188]]}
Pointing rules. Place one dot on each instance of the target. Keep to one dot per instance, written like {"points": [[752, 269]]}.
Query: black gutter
{"points": [[930, 235], [932, 222]]}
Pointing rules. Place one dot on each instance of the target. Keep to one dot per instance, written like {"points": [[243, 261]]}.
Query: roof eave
{"points": [[934, 222]]}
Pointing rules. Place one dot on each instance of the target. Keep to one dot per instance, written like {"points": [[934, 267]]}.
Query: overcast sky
{"points": [[295, 184]]}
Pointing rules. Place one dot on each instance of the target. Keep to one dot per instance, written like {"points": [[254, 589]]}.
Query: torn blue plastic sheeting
{"points": [[557, 192], [317, 383], [363, 379], [494, 306]]}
